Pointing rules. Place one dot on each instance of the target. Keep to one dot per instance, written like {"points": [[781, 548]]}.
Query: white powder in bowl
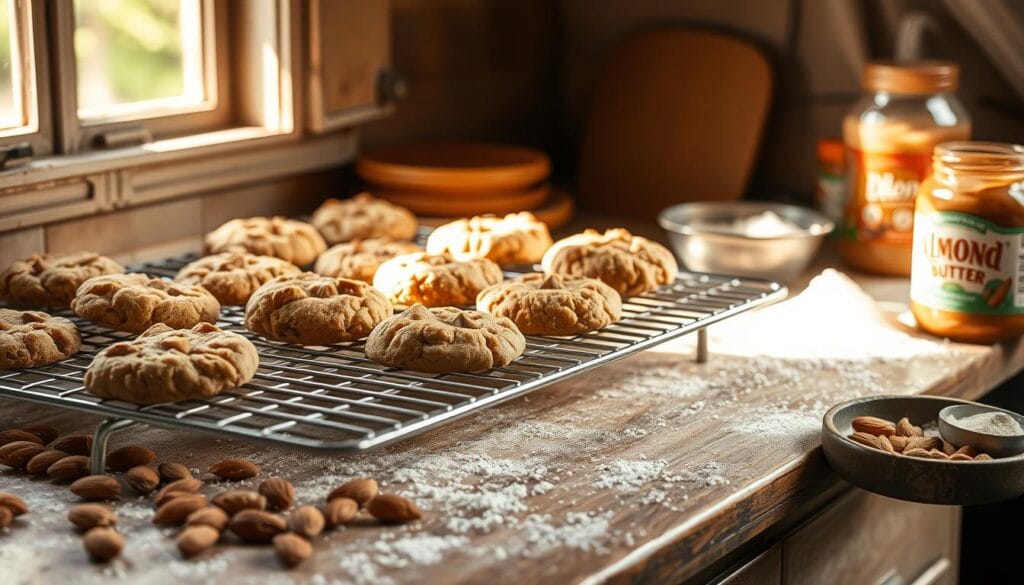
{"points": [[990, 423], [767, 224]]}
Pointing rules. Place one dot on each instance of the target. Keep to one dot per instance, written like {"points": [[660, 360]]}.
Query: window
{"points": [[22, 120]]}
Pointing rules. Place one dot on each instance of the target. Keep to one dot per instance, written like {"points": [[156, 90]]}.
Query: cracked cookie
{"points": [[288, 239], [517, 238], [435, 280], [232, 277], [363, 216], [50, 280], [630, 264], [445, 340], [30, 339], [552, 304], [134, 302], [360, 259], [310, 309], [165, 364]]}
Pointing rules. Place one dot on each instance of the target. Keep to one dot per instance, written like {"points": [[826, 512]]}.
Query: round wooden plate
{"points": [[446, 206], [465, 168]]}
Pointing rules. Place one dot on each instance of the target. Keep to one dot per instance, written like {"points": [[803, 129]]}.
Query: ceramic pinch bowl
{"points": [[994, 445]]}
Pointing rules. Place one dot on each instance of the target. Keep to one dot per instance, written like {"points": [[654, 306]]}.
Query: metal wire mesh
{"points": [[337, 400]]}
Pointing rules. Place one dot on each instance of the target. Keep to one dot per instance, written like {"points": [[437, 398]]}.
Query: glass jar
{"points": [[908, 109], [967, 282]]}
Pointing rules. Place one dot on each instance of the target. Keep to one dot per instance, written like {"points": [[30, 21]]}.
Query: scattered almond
{"points": [[904, 428], [234, 469], [279, 492], [42, 461], [103, 543], [292, 549], [6, 517], [73, 444], [960, 457], [983, 457], [69, 468], [96, 487], [899, 442], [234, 501], [361, 490], [13, 503], [19, 435], [306, 521], [85, 517], [937, 454], [916, 452], [142, 479], [46, 433], [873, 425], [196, 539], [885, 444], [128, 457], [393, 509], [174, 512], [948, 448], [866, 439], [18, 453], [257, 525], [171, 472], [966, 450], [339, 511], [211, 516], [188, 485], [926, 443]]}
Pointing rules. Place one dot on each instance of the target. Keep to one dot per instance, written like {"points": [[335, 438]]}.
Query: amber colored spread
{"points": [[967, 281]]}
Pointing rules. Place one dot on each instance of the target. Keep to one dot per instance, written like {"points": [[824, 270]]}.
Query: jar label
{"points": [[964, 263], [882, 199]]}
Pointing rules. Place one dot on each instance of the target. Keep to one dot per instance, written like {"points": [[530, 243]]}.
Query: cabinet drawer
{"points": [[866, 539]]}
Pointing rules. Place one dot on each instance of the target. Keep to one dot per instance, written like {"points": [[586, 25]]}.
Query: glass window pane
{"points": [[138, 56], [10, 92]]}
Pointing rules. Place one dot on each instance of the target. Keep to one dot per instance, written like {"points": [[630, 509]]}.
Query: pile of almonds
{"points": [[267, 515], [903, 438]]}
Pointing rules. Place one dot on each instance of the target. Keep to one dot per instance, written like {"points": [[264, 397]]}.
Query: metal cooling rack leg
{"points": [[98, 459], [702, 345]]}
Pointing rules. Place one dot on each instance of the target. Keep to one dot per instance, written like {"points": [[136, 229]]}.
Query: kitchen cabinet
{"points": [[766, 569]]}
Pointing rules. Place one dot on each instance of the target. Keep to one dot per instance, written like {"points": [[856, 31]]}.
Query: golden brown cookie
{"points": [[445, 340], [435, 280], [630, 264], [311, 309], [165, 364], [517, 238], [362, 217], [552, 304], [288, 239], [50, 280], [134, 302], [29, 339], [232, 277], [360, 259]]}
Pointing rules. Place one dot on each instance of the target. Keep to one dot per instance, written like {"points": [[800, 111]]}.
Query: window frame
{"points": [[33, 67], [80, 135]]}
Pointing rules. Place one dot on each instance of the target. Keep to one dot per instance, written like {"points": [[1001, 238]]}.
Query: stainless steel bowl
{"points": [[696, 233]]}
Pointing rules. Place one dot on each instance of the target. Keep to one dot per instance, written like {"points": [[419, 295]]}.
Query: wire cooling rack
{"points": [[334, 399]]}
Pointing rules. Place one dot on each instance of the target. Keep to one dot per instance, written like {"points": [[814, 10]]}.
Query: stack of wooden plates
{"points": [[459, 179]]}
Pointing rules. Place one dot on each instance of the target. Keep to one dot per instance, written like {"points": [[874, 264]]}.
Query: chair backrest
{"points": [[676, 116]]}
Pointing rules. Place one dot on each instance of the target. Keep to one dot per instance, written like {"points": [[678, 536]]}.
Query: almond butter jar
{"points": [[908, 109], [967, 282]]}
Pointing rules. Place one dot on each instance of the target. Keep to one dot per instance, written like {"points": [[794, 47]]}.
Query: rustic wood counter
{"points": [[645, 470]]}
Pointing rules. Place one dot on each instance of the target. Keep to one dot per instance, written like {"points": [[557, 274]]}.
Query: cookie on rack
{"points": [[552, 304], [435, 280], [363, 217], [445, 340], [288, 239], [134, 302], [360, 259], [517, 238], [630, 264], [232, 277], [29, 339], [311, 309], [50, 280], [166, 364]]}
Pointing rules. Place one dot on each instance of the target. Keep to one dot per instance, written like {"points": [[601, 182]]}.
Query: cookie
{"points": [[435, 280], [232, 277], [362, 217], [29, 339], [360, 259], [552, 304], [288, 239], [445, 340], [517, 238], [134, 302], [630, 264], [50, 280], [165, 364], [310, 309]]}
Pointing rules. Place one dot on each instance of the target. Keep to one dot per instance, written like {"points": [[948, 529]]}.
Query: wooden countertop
{"points": [[646, 470]]}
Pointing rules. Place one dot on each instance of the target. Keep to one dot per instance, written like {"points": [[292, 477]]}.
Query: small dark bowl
{"points": [[929, 481]]}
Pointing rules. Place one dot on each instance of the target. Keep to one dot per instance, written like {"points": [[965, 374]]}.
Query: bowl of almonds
{"points": [[891, 445]]}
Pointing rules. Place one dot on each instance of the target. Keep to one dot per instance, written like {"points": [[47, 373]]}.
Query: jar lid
{"points": [[919, 77]]}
